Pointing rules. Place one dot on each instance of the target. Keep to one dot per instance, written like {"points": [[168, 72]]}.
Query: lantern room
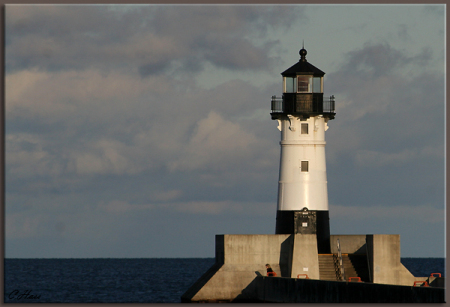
{"points": [[303, 92]]}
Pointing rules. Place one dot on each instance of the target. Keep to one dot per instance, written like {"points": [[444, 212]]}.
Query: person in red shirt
{"points": [[270, 272]]}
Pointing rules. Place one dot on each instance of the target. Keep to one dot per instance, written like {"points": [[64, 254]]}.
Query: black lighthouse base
{"points": [[306, 222]]}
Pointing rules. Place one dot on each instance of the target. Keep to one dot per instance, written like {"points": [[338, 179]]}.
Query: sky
{"points": [[142, 131]]}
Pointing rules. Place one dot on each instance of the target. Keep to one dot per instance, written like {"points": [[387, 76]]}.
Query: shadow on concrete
{"points": [[362, 250], [286, 249], [250, 293], [201, 282]]}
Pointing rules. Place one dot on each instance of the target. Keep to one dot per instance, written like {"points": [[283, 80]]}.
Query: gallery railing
{"points": [[310, 105]]}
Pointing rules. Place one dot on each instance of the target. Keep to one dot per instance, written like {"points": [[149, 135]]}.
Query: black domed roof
{"points": [[302, 67]]}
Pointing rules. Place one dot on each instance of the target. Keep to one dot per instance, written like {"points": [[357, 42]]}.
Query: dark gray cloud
{"points": [[392, 127], [153, 133], [376, 60], [146, 39]]}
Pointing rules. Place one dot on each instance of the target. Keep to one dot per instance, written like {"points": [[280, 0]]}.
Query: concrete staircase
{"points": [[354, 266], [327, 267]]}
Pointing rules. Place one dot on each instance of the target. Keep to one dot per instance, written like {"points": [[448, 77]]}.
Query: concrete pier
{"points": [[383, 256], [240, 265], [239, 259]]}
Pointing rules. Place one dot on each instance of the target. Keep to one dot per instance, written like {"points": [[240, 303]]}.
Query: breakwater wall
{"points": [[292, 290], [239, 273]]}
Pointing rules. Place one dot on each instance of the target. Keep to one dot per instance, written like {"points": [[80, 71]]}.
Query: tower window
{"points": [[304, 128], [304, 166]]}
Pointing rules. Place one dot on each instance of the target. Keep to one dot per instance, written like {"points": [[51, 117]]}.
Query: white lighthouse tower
{"points": [[302, 115]]}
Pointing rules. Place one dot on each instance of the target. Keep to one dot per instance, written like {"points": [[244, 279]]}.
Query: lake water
{"points": [[152, 280]]}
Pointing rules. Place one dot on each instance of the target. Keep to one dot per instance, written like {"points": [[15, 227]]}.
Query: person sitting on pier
{"points": [[270, 272]]}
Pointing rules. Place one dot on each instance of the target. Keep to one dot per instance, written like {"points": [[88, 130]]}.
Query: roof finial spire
{"points": [[302, 52]]}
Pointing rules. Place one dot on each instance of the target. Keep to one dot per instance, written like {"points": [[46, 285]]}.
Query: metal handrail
{"points": [[277, 104], [432, 274], [358, 279], [341, 262], [337, 268], [423, 283], [328, 104]]}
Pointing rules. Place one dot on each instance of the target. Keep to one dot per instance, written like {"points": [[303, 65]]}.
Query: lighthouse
{"points": [[302, 114], [302, 251]]}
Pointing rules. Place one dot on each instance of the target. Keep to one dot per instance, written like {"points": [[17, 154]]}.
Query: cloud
{"points": [[119, 206], [216, 144], [388, 134], [77, 122], [424, 213], [110, 157], [204, 208], [228, 207], [93, 123], [385, 101], [56, 97], [25, 157], [140, 39], [371, 159], [19, 226]]}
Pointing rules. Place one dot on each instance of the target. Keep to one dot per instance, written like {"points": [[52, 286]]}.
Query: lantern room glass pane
{"points": [[303, 84], [290, 85], [317, 85]]}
